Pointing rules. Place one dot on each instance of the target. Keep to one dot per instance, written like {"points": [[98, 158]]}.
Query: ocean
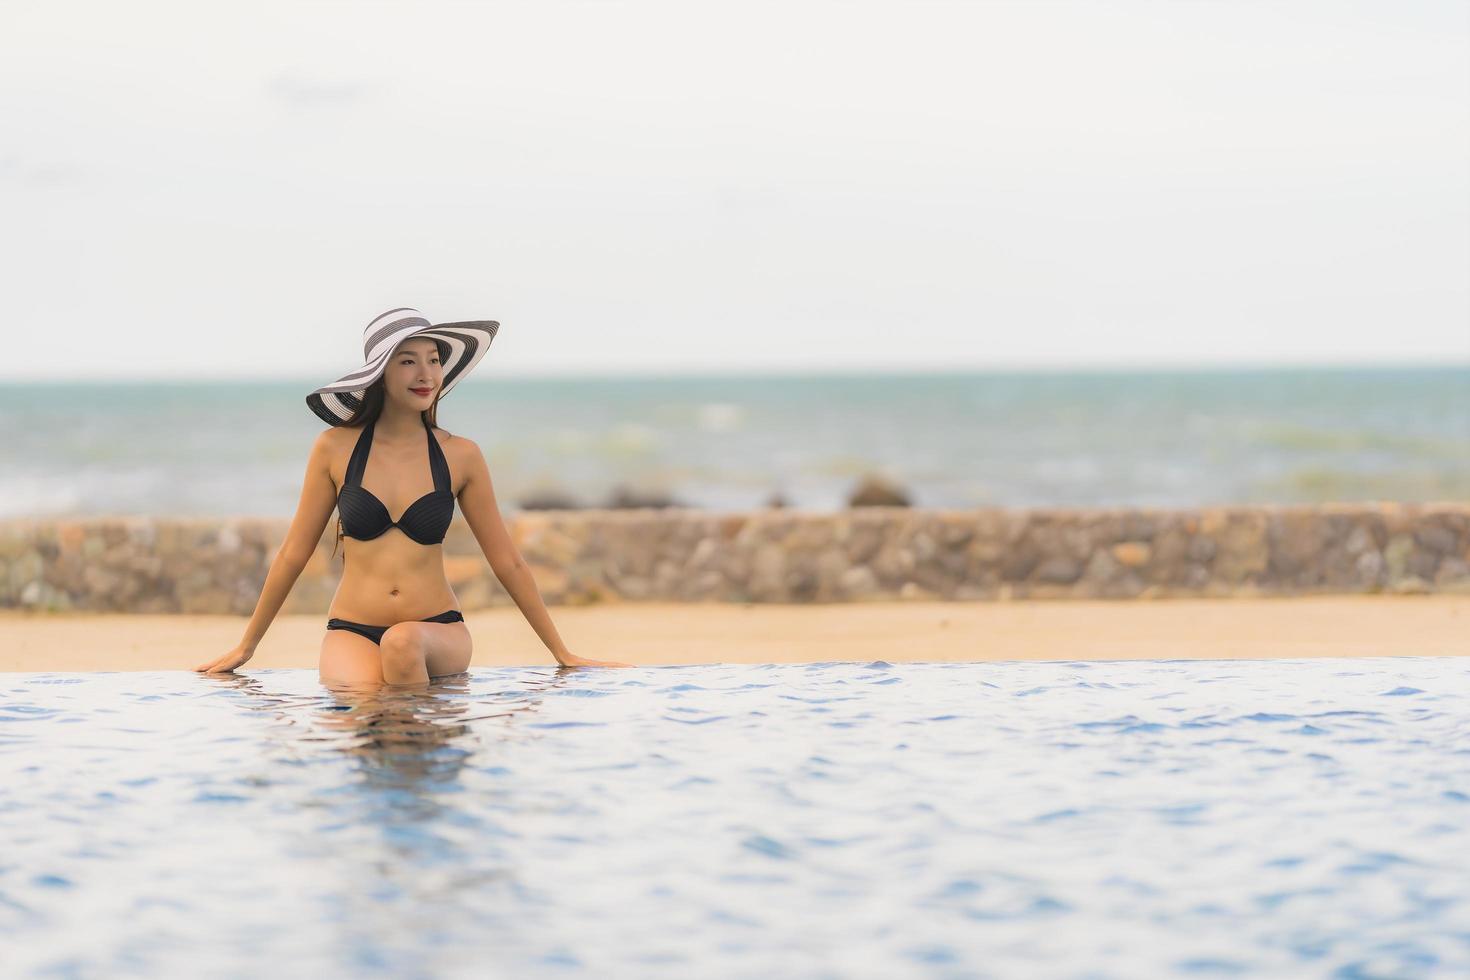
{"points": [[1292, 818], [1167, 439]]}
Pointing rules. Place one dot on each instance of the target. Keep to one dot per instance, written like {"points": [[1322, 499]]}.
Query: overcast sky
{"points": [[200, 190]]}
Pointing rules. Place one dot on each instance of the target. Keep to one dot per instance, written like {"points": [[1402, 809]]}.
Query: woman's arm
{"points": [[482, 513], [318, 498]]}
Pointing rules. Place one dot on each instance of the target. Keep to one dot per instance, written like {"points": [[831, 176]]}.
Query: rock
{"points": [[912, 592], [1019, 561], [1102, 566], [768, 573], [1296, 538], [1371, 569], [1397, 553], [633, 587], [877, 491], [70, 535], [708, 586], [859, 582], [99, 581], [923, 546], [1059, 571], [206, 601], [1360, 540], [550, 544], [956, 531], [893, 564], [628, 498], [138, 564], [831, 566], [706, 552], [1200, 549], [26, 568], [1132, 553], [1452, 571], [1437, 539], [1169, 547], [801, 584], [1410, 585], [229, 539], [863, 539], [547, 498]]}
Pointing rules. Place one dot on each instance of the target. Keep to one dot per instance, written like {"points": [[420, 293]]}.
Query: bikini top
{"points": [[363, 515]]}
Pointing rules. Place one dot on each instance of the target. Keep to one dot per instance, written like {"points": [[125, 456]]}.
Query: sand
{"points": [[666, 633]]}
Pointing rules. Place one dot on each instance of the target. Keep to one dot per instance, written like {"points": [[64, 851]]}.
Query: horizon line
{"points": [[708, 372]]}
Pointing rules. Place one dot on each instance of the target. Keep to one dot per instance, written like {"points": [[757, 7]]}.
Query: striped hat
{"points": [[467, 341]]}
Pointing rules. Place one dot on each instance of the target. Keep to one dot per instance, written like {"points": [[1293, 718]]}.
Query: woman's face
{"points": [[413, 375]]}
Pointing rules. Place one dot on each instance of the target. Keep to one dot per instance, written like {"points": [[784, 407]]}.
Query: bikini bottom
{"points": [[375, 633]]}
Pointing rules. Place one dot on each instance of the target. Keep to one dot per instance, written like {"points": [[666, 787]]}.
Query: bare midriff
{"points": [[391, 579]]}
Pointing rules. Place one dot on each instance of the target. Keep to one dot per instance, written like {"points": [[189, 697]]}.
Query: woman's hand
{"points": [[228, 662], [572, 660]]}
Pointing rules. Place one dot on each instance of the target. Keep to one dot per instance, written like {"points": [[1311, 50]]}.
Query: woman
{"points": [[394, 619]]}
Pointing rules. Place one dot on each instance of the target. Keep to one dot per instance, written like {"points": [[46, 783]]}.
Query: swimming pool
{"points": [[1103, 819]]}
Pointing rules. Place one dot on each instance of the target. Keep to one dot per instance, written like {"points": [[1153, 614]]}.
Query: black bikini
{"points": [[375, 633], [364, 517]]}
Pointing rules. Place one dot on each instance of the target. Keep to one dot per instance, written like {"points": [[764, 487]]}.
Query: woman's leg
{"points": [[415, 651], [349, 661]]}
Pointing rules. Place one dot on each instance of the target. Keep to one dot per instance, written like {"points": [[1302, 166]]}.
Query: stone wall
{"points": [[147, 564]]}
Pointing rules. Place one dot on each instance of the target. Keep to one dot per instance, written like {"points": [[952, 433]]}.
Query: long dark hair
{"points": [[371, 407]]}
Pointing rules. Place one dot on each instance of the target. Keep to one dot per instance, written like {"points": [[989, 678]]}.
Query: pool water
{"points": [[1115, 819]]}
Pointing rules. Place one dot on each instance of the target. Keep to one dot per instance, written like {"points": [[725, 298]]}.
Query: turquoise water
{"points": [[729, 443], [1205, 818]]}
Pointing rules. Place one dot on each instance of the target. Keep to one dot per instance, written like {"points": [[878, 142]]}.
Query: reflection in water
{"points": [[412, 740], [387, 810]]}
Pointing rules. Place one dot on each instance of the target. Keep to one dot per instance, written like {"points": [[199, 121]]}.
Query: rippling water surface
{"points": [[1122, 819]]}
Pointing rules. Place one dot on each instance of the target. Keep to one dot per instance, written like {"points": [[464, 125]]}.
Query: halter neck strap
{"points": [[438, 465], [358, 462]]}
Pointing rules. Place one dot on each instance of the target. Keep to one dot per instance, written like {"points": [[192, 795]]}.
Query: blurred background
{"points": [[1020, 254]]}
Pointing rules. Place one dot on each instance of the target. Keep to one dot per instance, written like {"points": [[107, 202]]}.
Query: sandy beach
{"points": [[668, 633]]}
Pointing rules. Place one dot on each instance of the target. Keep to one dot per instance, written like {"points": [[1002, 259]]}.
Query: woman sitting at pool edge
{"points": [[394, 618]]}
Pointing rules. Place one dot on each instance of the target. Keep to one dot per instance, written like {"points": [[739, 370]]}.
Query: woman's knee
{"points": [[350, 659], [402, 643]]}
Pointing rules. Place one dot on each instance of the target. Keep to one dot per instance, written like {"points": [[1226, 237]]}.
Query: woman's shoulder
{"points": [[462, 453], [452, 443], [334, 445], [334, 437], [330, 437]]}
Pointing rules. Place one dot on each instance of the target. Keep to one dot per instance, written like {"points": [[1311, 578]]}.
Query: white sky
{"points": [[187, 189]]}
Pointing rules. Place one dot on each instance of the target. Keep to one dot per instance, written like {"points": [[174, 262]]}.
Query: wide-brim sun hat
{"points": [[467, 341]]}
